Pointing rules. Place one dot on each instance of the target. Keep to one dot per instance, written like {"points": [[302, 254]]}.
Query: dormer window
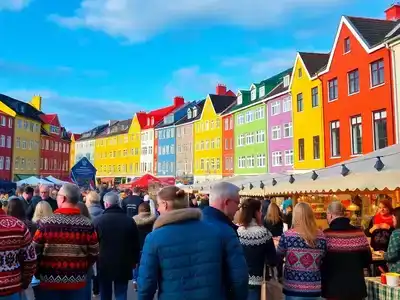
{"points": [[262, 91], [253, 94], [239, 99], [286, 81], [189, 113], [194, 112], [152, 120], [148, 121]]}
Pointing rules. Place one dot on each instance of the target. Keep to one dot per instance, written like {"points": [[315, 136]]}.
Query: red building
{"points": [[357, 90], [55, 148], [6, 145], [227, 145]]}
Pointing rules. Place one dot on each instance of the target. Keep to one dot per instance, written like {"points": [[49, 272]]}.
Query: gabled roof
{"points": [[21, 108], [156, 116], [90, 134], [279, 89], [119, 127], [221, 102], [48, 118], [373, 31], [64, 135], [200, 106], [314, 62], [74, 136], [185, 107]]}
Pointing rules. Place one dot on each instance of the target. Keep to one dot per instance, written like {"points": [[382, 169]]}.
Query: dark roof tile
{"points": [[314, 62], [21, 108], [221, 102], [200, 106]]}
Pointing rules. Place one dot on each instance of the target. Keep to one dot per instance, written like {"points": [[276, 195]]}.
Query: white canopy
{"points": [[33, 181], [55, 180]]}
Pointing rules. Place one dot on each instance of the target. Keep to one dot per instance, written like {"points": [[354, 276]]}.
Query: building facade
{"points": [[184, 143], [74, 137], [280, 128], [25, 149], [228, 142], [86, 145], [208, 137], [358, 102], [6, 145], [54, 148], [307, 111]]}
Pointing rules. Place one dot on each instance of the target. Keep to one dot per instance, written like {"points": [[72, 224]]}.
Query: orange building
{"points": [[228, 141], [356, 88]]}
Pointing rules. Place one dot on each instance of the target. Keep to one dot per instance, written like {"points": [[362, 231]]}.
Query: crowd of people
{"points": [[70, 246]]}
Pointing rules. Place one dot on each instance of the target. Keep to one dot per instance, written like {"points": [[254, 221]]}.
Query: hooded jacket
{"points": [[144, 222]]}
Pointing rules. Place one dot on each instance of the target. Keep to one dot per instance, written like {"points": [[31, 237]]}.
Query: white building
{"points": [[85, 146], [147, 151]]}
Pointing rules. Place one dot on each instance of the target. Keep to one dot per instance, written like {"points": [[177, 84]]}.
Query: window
{"points": [[335, 138], [226, 124], [261, 160], [20, 124], [249, 116], [377, 72], [260, 136], [242, 162], [250, 161], [240, 119], [287, 130], [259, 113], [9, 142], [276, 158], [380, 130], [231, 123], [2, 141], [346, 45], [300, 72], [286, 81], [1, 162], [287, 104], [276, 132], [300, 107], [253, 94], [250, 138], [314, 97], [333, 89], [301, 149], [18, 142], [8, 163], [289, 160], [194, 112], [241, 140], [316, 151], [10, 122], [3, 122], [356, 135], [275, 108], [239, 99], [354, 82], [261, 91]]}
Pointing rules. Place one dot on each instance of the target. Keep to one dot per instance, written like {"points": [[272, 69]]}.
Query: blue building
{"points": [[165, 142]]}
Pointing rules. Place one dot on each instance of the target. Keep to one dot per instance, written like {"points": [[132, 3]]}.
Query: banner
{"points": [[83, 173]]}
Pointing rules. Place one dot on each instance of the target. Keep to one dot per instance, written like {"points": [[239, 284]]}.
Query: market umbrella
{"points": [[144, 181]]}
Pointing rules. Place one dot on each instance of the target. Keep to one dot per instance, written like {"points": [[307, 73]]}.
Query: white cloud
{"points": [[138, 20], [79, 114], [14, 5], [191, 80]]}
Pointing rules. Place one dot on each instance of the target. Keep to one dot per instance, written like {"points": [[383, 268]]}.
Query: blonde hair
{"points": [[175, 196], [273, 214], [43, 209], [304, 223], [92, 197]]}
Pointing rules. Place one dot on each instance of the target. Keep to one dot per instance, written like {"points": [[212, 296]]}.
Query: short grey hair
{"points": [[111, 198], [336, 208], [223, 191], [71, 192]]}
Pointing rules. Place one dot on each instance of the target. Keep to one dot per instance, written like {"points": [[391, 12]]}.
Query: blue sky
{"points": [[95, 60]]}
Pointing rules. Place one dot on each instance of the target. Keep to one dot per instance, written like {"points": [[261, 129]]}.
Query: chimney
{"points": [[36, 102], [179, 101], [393, 12], [220, 89]]}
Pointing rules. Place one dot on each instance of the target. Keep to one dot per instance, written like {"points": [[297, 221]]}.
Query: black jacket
{"points": [[342, 269], [31, 206], [144, 222], [119, 245], [275, 229], [130, 205]]}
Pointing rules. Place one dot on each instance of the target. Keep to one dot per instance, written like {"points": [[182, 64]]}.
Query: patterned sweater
{"points": [[67, 246], [302, 275], [17, 255], [392, 256]]}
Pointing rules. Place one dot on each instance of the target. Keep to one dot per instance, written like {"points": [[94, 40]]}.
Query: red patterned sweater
{"points": [[17, 255], [67, 246]]}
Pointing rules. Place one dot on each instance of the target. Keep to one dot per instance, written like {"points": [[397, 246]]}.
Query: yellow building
{"points": [[308, 126], [26, 140], [72, 160], [208, 138], [116, 153]]}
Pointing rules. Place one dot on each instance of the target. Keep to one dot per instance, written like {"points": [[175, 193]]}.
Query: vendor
{"points": [[381, 226], [392, 256]]}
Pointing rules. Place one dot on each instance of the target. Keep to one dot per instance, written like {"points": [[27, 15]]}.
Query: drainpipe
{"points": [[394, 95]]}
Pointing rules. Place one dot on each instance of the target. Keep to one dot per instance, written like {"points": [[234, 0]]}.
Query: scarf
{"points": [[380, 219]]}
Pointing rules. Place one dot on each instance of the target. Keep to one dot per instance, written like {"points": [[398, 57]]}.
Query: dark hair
{"points": [[136, 190], [388, 204], [248, 210], [396, 214], [128, 192], [19, 190], [16, 209], [84, 210], [144, 207], [29, 190]]}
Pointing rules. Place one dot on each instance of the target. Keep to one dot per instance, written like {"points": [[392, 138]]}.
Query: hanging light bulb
{"points": [[314, 175], [379, 165], [345, 171], [291, 179], [274, 182]]}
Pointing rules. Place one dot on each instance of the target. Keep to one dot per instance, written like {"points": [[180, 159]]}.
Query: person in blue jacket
{"points": [[187, 258]]}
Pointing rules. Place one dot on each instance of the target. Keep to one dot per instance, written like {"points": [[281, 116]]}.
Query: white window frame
{"points": [[277, 159], [276, 130]]}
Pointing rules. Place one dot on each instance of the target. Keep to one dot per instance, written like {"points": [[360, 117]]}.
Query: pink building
{"points": [[280, 128]]}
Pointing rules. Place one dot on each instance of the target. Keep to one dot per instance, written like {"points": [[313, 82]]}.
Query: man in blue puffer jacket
{"points": [[187, 259]]}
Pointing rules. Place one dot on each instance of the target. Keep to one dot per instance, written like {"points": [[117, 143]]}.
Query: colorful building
{"points": [[357, 93], [6, 145], [85, 146], [147, 134], [165, 141], [54, 148], [208, 136], [307, 111], [73, 137], [228, 142], [280, 127], [112, 153], [184, 143], [25, 153]]}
